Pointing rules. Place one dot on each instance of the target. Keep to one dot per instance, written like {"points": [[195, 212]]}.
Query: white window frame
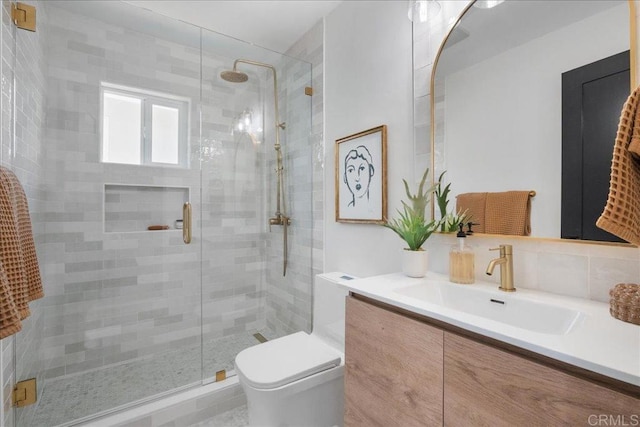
{"points": [[148, 99]]}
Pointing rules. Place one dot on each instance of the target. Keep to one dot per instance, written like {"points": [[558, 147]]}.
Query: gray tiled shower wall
{"points": [[310, 48], [289, 299], [113, 297], [125, 295]]}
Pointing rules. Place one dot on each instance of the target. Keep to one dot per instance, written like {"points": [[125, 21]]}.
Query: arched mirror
{"points": [[499, 87]]}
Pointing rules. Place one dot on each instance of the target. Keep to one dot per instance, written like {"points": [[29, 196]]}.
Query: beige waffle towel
{"points": [[474, 204], [508, 212], [19, 273], [621, 215], [9, 316]]}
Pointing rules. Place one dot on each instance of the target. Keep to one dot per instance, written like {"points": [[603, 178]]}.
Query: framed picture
{"points": [[361, 177]]}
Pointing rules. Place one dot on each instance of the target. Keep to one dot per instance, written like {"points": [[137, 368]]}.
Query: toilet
{"points": [[297, 380]]}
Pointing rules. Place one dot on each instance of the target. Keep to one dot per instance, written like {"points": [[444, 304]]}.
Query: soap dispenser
{"points": [[461, 260]]}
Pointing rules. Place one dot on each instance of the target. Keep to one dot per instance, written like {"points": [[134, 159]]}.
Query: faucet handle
{"points": [[504, 249]]}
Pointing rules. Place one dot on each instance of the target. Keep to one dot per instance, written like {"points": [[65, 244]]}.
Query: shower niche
{"points": [[135, 208]]}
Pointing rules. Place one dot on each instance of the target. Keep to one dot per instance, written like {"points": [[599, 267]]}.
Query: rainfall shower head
{"points": [[234, 76]]}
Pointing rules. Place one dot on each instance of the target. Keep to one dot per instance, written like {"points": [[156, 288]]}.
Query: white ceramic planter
{"points": [[415, 263]]}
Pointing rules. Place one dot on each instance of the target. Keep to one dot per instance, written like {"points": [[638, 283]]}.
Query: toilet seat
{"points": [[285, 360]]}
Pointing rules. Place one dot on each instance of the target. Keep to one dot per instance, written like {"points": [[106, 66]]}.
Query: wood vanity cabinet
{"points": [[393, 373], [403, 369]]}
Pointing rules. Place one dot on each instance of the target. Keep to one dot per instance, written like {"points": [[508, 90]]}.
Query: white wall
{"points": [[368, 82], [362, 60]]}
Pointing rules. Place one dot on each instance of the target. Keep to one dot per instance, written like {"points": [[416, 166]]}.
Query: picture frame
{"points": [[361, 177]]}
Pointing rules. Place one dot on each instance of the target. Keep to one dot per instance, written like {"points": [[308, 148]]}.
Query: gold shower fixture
{"points": [[280, 217]]}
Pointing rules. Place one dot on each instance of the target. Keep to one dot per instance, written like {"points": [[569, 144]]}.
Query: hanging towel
{"points": [[9, 316], [508, 212], [19, 272], [621, 215], [634, 143], [475, 205]]}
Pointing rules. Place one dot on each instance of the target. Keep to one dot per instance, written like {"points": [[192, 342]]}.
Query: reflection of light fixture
{"points": [[243, 124], [423, 10], [487, 4], [243, 121]]}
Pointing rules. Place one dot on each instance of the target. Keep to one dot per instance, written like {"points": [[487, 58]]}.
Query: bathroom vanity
{"points": [[413, 357]]}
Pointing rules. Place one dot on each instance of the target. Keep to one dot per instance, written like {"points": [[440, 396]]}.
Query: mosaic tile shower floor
{"points": [[70, 398]]}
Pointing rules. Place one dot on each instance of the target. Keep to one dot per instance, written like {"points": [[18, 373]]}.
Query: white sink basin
{"points": [[496, 305]]}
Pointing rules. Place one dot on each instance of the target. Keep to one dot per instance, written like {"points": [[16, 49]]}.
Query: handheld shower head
{"points": [[234, 76]]}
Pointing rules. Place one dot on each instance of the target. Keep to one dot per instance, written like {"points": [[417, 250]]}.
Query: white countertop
{"points": [[597, 342]]}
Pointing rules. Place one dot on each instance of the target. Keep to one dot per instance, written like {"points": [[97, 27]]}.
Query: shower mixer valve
{"points": [[279, 219]]}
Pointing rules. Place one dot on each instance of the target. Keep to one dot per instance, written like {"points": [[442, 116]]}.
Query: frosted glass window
{"points": [[142, 127], [165, 134], [121, 134]]}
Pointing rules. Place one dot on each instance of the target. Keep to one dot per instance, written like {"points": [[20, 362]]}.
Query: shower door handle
{"points": [[186, 223]]}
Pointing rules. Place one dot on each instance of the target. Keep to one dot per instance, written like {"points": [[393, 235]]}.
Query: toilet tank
{"points": [[328, 308]]}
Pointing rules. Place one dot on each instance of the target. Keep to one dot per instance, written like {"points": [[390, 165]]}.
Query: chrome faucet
{"points": [[506, 267]]}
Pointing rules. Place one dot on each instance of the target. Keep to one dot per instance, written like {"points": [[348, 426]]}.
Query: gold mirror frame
{"points": [[432, 131]]}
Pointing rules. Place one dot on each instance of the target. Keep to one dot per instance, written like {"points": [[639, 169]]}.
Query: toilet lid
{"points": [[284, 360]]}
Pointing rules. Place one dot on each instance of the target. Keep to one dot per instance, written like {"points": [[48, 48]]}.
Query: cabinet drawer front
{"points": [[393, 369], [485, 386]]}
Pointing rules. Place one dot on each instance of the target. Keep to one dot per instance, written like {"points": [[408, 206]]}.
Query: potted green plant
{"points": [[414, 228], [449, 221]]}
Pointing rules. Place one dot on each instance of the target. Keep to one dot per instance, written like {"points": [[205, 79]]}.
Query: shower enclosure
{"points": [[115, 119]]}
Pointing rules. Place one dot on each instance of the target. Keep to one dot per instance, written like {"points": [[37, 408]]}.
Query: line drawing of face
{"points": [[358, 171]]}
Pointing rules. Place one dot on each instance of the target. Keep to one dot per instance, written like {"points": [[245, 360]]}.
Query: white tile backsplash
{"points": [[575, 269], [605, 273], [563, 274]]}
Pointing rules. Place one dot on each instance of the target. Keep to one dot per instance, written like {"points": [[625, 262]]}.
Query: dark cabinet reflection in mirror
{"points": [[592, 97], [497, 117]]}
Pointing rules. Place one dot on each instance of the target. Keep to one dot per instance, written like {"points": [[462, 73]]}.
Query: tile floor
{"points": [[238, 417], [71, 398]]}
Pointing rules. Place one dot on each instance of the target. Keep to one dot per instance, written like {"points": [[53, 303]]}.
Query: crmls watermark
{"points": [[614, 420]]}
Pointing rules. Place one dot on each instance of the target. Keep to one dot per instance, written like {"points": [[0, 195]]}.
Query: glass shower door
{"points": [[121, 318], [246, 297], [234, 212]]}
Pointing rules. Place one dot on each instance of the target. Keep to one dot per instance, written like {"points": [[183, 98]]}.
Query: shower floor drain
{"points": [[260, 337]]}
